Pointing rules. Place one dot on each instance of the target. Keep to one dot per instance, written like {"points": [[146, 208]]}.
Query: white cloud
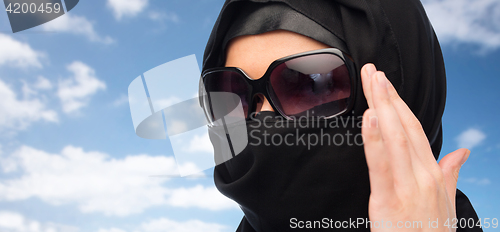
{"points": [[15, 222], [75, 92], [462, 21], [31, 90], [470, 138], [176, 127], [43, 83], [200, 144], [111, 230], [91, 179], [27, 91], [18, 54], [481, 182], [123, 99], [77, 25], [167, 225], [163, 103], [17, 114], [97, 183], [126, 8], [162, 16]]}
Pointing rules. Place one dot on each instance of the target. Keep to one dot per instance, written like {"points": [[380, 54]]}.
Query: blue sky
{"points": [[69, 157]]}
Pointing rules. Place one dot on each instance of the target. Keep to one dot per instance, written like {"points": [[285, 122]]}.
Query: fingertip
{"points": [[379, 82], [369, 113], [381, 79], [466, 156], [369, 69], [455, 159]]}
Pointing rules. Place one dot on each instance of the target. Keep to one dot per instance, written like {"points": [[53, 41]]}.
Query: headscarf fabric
{"points": [[274, 185]]}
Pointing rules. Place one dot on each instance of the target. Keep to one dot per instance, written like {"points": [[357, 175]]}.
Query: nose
{"points": [[261, 103]]}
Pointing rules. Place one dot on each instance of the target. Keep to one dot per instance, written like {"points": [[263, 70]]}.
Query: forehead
{"points": [[254, 53]]}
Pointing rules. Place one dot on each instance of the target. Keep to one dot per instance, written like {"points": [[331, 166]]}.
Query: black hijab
{"points": [[276, 184]]}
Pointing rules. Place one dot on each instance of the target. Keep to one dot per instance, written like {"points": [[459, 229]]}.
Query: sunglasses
{"points": [[318, 83]]}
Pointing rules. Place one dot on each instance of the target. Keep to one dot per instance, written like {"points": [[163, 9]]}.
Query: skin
{"points": [[407, 184], [254, 53]]}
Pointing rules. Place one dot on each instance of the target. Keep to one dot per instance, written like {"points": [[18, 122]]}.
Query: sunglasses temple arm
{"points": [[228, 137]]}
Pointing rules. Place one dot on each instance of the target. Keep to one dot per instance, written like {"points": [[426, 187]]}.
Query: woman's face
{"points": [[254, 53]]}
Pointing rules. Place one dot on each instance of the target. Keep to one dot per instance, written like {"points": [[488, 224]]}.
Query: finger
{"points": [[450, 166], [379, 168], [366, 76], [415, 132], [393, 134]]}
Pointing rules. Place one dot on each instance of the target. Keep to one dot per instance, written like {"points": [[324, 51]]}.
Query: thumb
{"points": [[450, 165]]}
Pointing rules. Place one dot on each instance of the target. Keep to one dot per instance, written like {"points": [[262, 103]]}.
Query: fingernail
{"points": [[466, 156], [381, 80], [370, 69]]}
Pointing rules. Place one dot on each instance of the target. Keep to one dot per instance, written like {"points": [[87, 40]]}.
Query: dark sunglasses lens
{"points": [[217, 105], [315, 85]]}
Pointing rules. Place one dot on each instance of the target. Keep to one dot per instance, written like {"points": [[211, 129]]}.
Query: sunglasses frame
{"points": [[262, 85]]}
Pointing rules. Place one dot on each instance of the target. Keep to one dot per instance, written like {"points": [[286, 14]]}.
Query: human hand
{"points": [[407, 184]]}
